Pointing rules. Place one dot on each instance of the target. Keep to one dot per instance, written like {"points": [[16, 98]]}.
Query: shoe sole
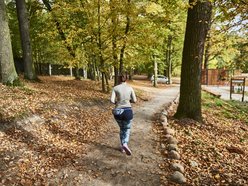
{"points": [[122, 151], [128, 152]]}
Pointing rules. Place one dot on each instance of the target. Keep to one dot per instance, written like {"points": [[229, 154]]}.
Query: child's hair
{"points": [[122, 78]]}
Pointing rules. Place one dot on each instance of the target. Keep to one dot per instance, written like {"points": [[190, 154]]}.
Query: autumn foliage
{"points": [[45, 127]]}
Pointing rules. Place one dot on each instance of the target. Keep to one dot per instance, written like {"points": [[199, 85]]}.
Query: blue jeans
{"points": [[125, 127]]}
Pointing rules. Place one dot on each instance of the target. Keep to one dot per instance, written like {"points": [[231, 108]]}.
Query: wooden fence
{"points": [[215, 77]]}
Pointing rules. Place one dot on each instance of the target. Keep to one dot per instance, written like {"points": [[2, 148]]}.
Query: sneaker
{"points": [[122, 149], [127, 150]]}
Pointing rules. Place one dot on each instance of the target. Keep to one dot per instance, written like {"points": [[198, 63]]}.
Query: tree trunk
{"points": [[103, 82], [116, 72], [190, 89], [155, 71], [7, 67], [206, 59], [92, 67], [130, 75], [50, 69], [121, 66], [100, 48], [29, 71], [207, 53], [99, 44], [77, 73], [107, 82], [169, 43], [114, 45]]}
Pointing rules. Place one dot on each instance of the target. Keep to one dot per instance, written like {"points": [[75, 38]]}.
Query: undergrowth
{"points": [[229, 109]]}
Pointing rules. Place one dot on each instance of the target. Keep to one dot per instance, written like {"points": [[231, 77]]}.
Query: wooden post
{"points": [[243, 95], [238, 82], [50, 69], [169, 58], [71, 74], [231, 89]]}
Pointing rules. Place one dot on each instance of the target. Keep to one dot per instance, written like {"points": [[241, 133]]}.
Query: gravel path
{"points": [[104, 165]]}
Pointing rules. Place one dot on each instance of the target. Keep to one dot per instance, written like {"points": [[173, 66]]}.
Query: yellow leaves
{"points": [[153, 8]]}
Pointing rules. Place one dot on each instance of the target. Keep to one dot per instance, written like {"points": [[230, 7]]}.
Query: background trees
{"points": [[105, 38], [227, 30], [65, 33]]}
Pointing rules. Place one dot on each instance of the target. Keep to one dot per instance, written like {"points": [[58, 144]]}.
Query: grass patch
{"points": [[27, 90], [238, 110], [219, 102], [229, 109]]}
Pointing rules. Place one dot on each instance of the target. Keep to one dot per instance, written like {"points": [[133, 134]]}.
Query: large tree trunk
{"points": [[29, 71], [7, 67], [190, 89]]}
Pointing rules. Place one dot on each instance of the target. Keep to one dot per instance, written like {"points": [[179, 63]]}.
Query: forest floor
{"points": [[61, 132]]}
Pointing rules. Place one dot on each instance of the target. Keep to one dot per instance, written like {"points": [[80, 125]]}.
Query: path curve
{"points": [[106, 166]]}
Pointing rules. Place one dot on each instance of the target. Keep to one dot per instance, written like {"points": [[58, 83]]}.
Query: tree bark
{"points": [[116, 72], [206, 54], [107, 82], [207, 51], [190, 89], [7, 67], [155, 71], [29, 70], [100, 48], [121, 66], [114, 40], [168, 57], [103, 82], [206, 60]]}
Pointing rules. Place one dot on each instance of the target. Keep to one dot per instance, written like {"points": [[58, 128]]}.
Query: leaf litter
{"points": [[45, 129], [213, 152], [46, 126]]}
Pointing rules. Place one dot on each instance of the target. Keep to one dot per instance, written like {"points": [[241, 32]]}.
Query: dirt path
{"points": [[105, 165]]}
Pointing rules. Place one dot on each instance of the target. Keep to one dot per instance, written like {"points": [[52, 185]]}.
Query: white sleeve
{"points": [[113, 96], [133, 96]]}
